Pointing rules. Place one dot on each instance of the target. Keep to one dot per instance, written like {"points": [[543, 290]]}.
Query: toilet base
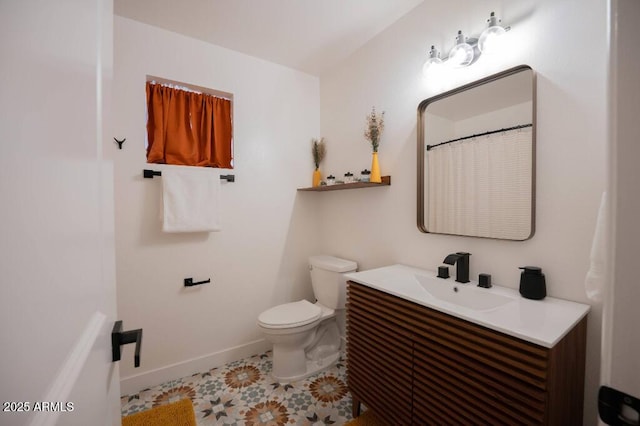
{"points": [[312, 367], [299, 355]]}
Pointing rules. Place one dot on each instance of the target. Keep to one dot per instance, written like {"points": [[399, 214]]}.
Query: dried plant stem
{"points": [[318, 150], [375, 126]]}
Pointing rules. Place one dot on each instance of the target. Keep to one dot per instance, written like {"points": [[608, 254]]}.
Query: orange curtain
{"points": [[186, 128]]}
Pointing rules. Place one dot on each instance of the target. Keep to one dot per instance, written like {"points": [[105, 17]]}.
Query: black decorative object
{"points": [[120, 142], [119, 338], [532, 283], [188, 282], [149, 174]]}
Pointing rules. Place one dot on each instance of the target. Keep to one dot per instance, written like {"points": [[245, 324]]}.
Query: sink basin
{"points": [[465, 295]]}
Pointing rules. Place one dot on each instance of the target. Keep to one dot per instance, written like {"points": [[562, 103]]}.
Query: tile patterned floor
{"points": [[244, 393]]}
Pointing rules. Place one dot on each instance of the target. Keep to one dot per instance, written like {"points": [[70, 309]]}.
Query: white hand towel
{"points": [[594, 281], [190, 200]]}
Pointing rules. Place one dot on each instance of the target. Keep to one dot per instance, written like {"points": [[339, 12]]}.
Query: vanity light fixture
{"points": [[491, 38], [467, 50], [433, 60], [461, 54]]}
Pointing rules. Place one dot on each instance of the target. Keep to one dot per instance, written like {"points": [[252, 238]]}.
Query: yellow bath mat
{"points": [[366, 419], [175, 414]]}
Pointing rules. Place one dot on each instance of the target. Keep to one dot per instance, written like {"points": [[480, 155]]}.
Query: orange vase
{"points": [[317, 177], [375, 169]]}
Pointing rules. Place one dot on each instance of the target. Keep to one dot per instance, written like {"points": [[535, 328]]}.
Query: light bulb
{"points": [[491, 40], [462, 53], [433, 61]]}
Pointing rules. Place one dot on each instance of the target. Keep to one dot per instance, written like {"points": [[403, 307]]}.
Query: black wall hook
{"points": [[120, 142]]}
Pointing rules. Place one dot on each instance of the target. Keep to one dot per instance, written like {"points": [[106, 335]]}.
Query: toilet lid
{"points": [[293, 314]]}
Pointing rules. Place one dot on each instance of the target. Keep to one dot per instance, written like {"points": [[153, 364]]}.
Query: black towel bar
{"points": [[188, 282], [149, 174]]}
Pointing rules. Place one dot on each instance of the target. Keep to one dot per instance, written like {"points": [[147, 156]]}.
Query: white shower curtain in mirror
{"points": [[482, 186]]}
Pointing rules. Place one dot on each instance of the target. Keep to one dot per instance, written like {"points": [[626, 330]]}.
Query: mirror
{"points": [[476, 158]]}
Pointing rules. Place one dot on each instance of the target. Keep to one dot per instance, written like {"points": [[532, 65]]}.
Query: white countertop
{"points": [[543, 322]]}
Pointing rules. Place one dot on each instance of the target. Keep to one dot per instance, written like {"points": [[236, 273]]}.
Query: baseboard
{"points": [[134, 384]]}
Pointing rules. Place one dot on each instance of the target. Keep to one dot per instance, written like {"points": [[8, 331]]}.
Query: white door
{"points": [[621, 335], [57, 289]]}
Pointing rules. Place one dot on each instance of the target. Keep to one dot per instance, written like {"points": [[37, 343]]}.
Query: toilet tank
{"points": [[328, 281]]}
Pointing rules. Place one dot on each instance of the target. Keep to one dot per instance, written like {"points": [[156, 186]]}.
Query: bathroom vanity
{"points": [[423, 350]]}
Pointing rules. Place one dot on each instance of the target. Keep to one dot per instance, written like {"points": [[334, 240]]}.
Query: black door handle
{"points": [[119, 338]]}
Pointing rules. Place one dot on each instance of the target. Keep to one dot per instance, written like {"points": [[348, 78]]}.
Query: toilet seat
{"points": [[289, 315]]}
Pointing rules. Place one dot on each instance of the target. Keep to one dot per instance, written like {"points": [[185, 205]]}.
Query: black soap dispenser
{"points": [[532, 283]]}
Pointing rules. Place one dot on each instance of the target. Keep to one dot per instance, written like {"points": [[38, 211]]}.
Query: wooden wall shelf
{"points": [[386, 181]]}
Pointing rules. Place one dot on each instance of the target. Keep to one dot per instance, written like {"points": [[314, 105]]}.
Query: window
{"points": [[187, 126]]}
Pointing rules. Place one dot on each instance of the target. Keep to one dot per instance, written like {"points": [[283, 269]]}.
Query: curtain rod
{"points": [[185, 88], [149, 174], [520, 126]]}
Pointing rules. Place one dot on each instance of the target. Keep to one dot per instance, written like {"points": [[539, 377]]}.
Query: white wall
{"points": [[259, 258], [562, 41]]}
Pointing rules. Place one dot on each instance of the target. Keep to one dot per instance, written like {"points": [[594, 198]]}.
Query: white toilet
{"points": [[305, 335]]}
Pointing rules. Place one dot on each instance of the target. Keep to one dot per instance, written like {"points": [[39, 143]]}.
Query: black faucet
{"points": [[461, 260]]}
